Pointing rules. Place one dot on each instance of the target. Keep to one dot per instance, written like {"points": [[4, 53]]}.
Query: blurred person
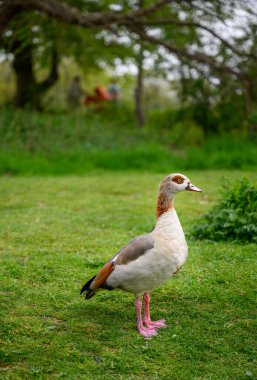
{"points": [[114, 91], [75, 92]]}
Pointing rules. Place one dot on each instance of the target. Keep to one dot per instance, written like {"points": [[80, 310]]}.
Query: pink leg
{"points": [[145, 331], [147, 319]]}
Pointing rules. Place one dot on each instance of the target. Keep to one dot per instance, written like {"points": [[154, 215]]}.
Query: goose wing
{"points": [[130, 252]]}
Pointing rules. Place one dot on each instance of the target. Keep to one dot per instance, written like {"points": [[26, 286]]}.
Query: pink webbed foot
{"points": [[156, 324], [147, 332]]}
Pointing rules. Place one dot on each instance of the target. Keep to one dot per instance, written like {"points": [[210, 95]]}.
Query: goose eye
{"points": [[179, 180]]}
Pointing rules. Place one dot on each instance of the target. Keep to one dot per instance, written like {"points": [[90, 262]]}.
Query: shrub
{"points": [[234, 218]]}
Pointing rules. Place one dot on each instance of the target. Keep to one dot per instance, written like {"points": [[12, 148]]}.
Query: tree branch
{"points": [[53, 74], [171, 21], [70, 15], [8, 10], [183, 53]]}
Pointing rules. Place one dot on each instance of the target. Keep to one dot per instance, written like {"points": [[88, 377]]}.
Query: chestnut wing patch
{"points": [[102, 275]]}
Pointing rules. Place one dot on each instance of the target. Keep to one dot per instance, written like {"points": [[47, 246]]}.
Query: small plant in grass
{"points": [[234, 217]]}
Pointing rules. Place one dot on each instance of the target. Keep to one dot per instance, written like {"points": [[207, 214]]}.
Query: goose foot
{"points": [[156, 324], [147, 332], [143, 330]]}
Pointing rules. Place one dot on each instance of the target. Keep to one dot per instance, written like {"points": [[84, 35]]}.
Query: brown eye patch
{"points": [[178, 179]]}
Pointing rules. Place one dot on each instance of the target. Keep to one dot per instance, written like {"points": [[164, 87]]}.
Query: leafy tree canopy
{"points": [[188, 38]]}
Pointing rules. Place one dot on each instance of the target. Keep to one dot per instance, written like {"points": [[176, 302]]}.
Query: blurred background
{"points": [[137, 85]]}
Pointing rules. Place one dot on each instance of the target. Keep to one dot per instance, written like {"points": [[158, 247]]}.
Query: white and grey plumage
{"points": [[148, 261]]}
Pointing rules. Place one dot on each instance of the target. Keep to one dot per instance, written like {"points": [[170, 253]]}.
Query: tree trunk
{"points": [[28, 91], [140, 117], [25, 80]]}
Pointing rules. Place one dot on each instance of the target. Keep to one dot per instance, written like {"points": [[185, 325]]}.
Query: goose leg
{"points": [[145, 331], [147, 319]]}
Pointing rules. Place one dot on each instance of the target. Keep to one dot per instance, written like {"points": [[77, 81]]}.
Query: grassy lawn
{"points": [[57, 232]]}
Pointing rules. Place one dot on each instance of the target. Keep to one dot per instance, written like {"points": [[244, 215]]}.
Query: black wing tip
{"points": [[83, 289], [86, 287]]}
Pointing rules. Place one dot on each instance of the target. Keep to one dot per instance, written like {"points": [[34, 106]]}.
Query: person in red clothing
{"points": [[100, 95]]}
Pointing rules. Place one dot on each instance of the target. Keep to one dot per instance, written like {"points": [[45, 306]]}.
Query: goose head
{"points": [[177, 182]]}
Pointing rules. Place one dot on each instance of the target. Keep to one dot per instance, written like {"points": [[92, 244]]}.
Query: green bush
{"points": [[234, 218]]}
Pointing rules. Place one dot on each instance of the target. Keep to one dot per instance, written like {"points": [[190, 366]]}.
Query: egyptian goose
{"points": [[148, 261]]}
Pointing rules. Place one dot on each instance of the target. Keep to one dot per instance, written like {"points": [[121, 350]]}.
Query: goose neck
{"points": [[165, 203]]}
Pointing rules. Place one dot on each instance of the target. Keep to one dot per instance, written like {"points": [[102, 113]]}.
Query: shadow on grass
{"points": [[105, 316]]}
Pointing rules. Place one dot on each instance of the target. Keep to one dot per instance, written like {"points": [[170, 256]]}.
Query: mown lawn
{"points": [[57, 232]]}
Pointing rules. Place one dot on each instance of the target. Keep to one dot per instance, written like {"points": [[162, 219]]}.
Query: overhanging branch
{"points": [[195, 24], [70, 15], [183, 53]]}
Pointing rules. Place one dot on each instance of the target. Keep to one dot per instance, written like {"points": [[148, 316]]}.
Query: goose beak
{"points": [[191, 187]]}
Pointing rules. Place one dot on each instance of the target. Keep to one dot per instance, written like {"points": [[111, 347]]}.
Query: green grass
{"points": [[78, 143], [57, 232]]}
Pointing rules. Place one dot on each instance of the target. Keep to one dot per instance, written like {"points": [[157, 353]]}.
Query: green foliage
{"points": [[211, 96], [187, 133], [80, 142], [234, 217], [178, 131], [7, 83], [57, 232], [217, 109]]}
